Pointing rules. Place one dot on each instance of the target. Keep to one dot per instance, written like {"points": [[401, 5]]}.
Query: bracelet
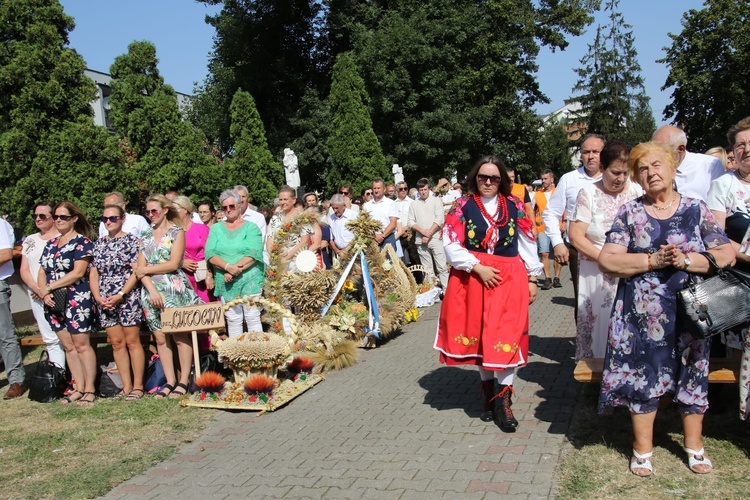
{"points": [[650, 266], [532, 280], [535, 282], [226, 266]]}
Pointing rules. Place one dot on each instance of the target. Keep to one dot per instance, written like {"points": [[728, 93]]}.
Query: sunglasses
{"points": [[111, 218], [357, 202], [368, 193], [494, 179], [228, 208], [63, 217], [402, 189], [346, 193], [153, 212], [40, 216]]}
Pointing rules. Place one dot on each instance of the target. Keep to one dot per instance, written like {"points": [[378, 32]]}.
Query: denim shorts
{"points": [[543, 243]]}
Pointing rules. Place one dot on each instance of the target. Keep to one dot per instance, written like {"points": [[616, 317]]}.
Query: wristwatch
{"points": [[121, 294], [687, 261]]}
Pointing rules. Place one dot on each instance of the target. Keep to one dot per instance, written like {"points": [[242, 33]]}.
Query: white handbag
{"points": [[201, 271]]}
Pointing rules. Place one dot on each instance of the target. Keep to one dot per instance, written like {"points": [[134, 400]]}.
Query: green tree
{"points": [[169, 152], [49, 146], [611, 82], [355, 152], [251, 163], [269, 48], [709, 71], [554, 149], [453, 80]]}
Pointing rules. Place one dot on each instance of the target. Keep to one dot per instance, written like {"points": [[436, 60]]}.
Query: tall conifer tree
{"points": [[613, 99], [355, 153]]}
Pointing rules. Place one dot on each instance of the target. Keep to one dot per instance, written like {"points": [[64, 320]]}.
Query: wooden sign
{"points": [[193, 318]]}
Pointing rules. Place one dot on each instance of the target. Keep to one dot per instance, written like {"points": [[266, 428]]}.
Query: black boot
{"points": [[488, 394], [504, 414]]}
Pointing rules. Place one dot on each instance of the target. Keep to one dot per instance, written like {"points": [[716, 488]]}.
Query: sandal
{"points": [[69, 397], [642, 462], [134, 395], [174, 394], [698, 458], [84, 401], [161, 394]]}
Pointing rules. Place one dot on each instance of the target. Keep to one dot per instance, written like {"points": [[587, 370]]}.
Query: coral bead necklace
{"points": [[500, 219]]}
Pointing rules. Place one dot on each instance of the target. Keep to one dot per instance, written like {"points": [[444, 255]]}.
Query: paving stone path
{"points": [[396, 425]]}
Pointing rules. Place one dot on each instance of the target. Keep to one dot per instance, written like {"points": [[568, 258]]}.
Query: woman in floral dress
{"points": [[654, 243], [300, 240], [596, 207], [165, 285], [484, 319], [117, 292], [65, 261]]}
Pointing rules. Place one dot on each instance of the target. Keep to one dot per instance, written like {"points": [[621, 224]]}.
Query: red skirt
{"points": [[482, 326]]}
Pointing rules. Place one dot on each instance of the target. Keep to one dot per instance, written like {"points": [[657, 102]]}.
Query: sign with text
{"points": [[193, 318]]}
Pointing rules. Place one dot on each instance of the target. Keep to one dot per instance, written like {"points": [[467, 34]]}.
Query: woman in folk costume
{"points": [[484, 318]]}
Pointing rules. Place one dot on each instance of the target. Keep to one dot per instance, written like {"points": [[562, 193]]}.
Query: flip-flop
{"points": [[85, 402], [134, 395]]}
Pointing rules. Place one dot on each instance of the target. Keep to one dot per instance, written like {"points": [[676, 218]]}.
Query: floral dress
{"points": [[113, 260], [596, 290], [173, 287], [57, 262], [649, 354]]}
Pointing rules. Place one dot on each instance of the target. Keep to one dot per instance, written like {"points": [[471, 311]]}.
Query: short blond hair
{"points": [[645, 148]]}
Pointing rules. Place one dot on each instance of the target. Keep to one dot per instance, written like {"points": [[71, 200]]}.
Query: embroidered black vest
{"points": [[475, 229]]}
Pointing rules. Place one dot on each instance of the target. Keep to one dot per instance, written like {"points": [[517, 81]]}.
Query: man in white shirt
{"points": [[695, 171], [10, 349], [132, 223], [426, 218], [248, 213], [563, 201], [384, 210], [340, 235], [411, 256]]}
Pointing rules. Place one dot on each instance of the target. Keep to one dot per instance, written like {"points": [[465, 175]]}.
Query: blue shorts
{"points": [[543, 243]]}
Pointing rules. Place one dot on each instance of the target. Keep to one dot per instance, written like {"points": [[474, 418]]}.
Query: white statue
{"points": [[398, 174], [291, 169], [454, 179]]}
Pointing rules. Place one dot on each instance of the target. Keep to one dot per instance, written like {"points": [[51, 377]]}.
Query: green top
{"points": [[245, 241]]}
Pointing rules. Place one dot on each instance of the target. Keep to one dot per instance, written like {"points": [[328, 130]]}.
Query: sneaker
{"points": [[556, 283], [545, 284], [16, 390]]}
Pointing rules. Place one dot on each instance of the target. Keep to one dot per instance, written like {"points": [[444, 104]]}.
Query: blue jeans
{"points": [[389, 240], [10, 349]]}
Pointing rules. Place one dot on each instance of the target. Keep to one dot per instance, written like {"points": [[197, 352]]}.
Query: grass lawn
{"points": [[53, 450], [597, 467]]}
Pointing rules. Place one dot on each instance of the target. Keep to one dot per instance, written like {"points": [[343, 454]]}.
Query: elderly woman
{"points": [[655, 242], [196, 236], [235, 249], [729, 201], [33, 245], [117, 292], [166, 285], [596, 207], [299, 240], [484, 319], [64, 264]]}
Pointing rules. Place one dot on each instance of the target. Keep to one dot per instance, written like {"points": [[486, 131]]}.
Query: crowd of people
{"points": [[632, 222]]}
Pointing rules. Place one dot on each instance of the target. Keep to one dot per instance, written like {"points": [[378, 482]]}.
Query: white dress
{"points": [[596, 290]]}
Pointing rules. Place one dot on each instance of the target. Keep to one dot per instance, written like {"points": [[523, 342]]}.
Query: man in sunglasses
{"points": [[9, 346], [347, 191], [384, 210], [132, 223]]}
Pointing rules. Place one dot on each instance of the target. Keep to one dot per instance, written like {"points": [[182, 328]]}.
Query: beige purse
{"points": [[201, 271]]}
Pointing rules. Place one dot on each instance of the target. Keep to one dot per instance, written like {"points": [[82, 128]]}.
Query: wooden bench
{"points": [[721, 370]]}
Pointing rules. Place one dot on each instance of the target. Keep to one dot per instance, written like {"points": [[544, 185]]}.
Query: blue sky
{"points": [[183, 41]]}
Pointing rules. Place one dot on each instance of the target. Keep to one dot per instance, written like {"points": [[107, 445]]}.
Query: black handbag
{"points": [[60, 297], [715, 304], [48, 382]]}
